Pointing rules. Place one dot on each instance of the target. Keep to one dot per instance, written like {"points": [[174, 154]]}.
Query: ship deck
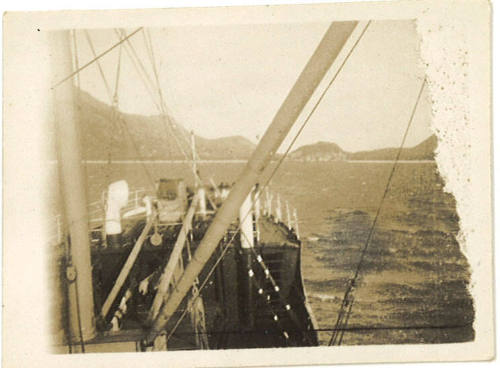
{"points": [[274, 233]]}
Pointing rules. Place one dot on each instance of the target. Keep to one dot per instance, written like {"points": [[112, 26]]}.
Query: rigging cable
{"points": [[110, 96], [75, 57], [141, 71], [117, 77], [95, 59], [261, 190], [167, 123], [78, 87], [115, 111], [99, 67], [348, 299], [173, 125], [306, 120], [165, 114], [151, 86], [139, 67]]}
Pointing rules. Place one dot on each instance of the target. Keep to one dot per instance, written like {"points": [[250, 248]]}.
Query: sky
{"points": [[231, 79]]}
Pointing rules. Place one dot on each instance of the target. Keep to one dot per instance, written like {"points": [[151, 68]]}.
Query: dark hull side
{"points": [[238, 311]]}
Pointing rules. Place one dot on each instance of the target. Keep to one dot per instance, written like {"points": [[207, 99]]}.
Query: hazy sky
{"points": [[231, 80]]}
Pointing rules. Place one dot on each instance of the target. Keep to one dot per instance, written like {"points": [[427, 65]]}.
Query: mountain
{"points": [[106, 134], [327, 151]]}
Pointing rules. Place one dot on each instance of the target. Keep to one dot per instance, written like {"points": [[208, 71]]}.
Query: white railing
{"points": [[96, 212], [97, 209], [274, 211]]}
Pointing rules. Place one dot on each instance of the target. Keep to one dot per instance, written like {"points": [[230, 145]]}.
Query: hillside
{"points": [[327, 151], [422, 151], [146, 137], [136, 137]]}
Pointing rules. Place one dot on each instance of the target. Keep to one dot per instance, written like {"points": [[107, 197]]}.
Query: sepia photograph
{"points": [[241, 178]]}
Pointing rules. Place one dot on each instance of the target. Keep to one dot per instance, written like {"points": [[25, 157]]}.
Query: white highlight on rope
{"points": [[114, 324], [123, 305], [143, 286]]}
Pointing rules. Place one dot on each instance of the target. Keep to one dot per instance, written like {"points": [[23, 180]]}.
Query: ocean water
{"points": [[413, 282]]}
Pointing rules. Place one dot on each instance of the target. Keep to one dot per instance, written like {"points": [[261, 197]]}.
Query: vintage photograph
{"points": [[246, 185]]}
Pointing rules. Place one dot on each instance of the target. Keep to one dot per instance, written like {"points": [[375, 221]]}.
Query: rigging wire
{"points": [[348, 299], [142, 73], [139, 68], [138, 59], [119, 116], [148, 82], [313, 110], [75, 57], [95, 59], [261, 190], [117, 77], [115, 104], [99, 67], [67, 243], [151, 86], [173, 125], [78, 87], [110, 96], [115, 116], [166, 122]]}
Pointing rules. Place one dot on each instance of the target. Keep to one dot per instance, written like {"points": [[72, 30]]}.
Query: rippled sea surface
{"points": [[413, 285]]}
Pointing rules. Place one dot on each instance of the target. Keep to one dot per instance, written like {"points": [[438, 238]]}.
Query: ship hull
{"points": [[232, 311]]}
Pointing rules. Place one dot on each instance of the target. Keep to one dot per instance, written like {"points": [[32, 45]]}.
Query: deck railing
{"points": [[274, 211], [97, 209], [96, 212]]}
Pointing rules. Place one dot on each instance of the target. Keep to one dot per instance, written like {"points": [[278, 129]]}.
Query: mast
{"points": [[322, 59], [79, 271]]}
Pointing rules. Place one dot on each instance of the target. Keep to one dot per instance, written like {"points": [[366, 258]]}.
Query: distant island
{"points": [[110, 136], [327, 151]]}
